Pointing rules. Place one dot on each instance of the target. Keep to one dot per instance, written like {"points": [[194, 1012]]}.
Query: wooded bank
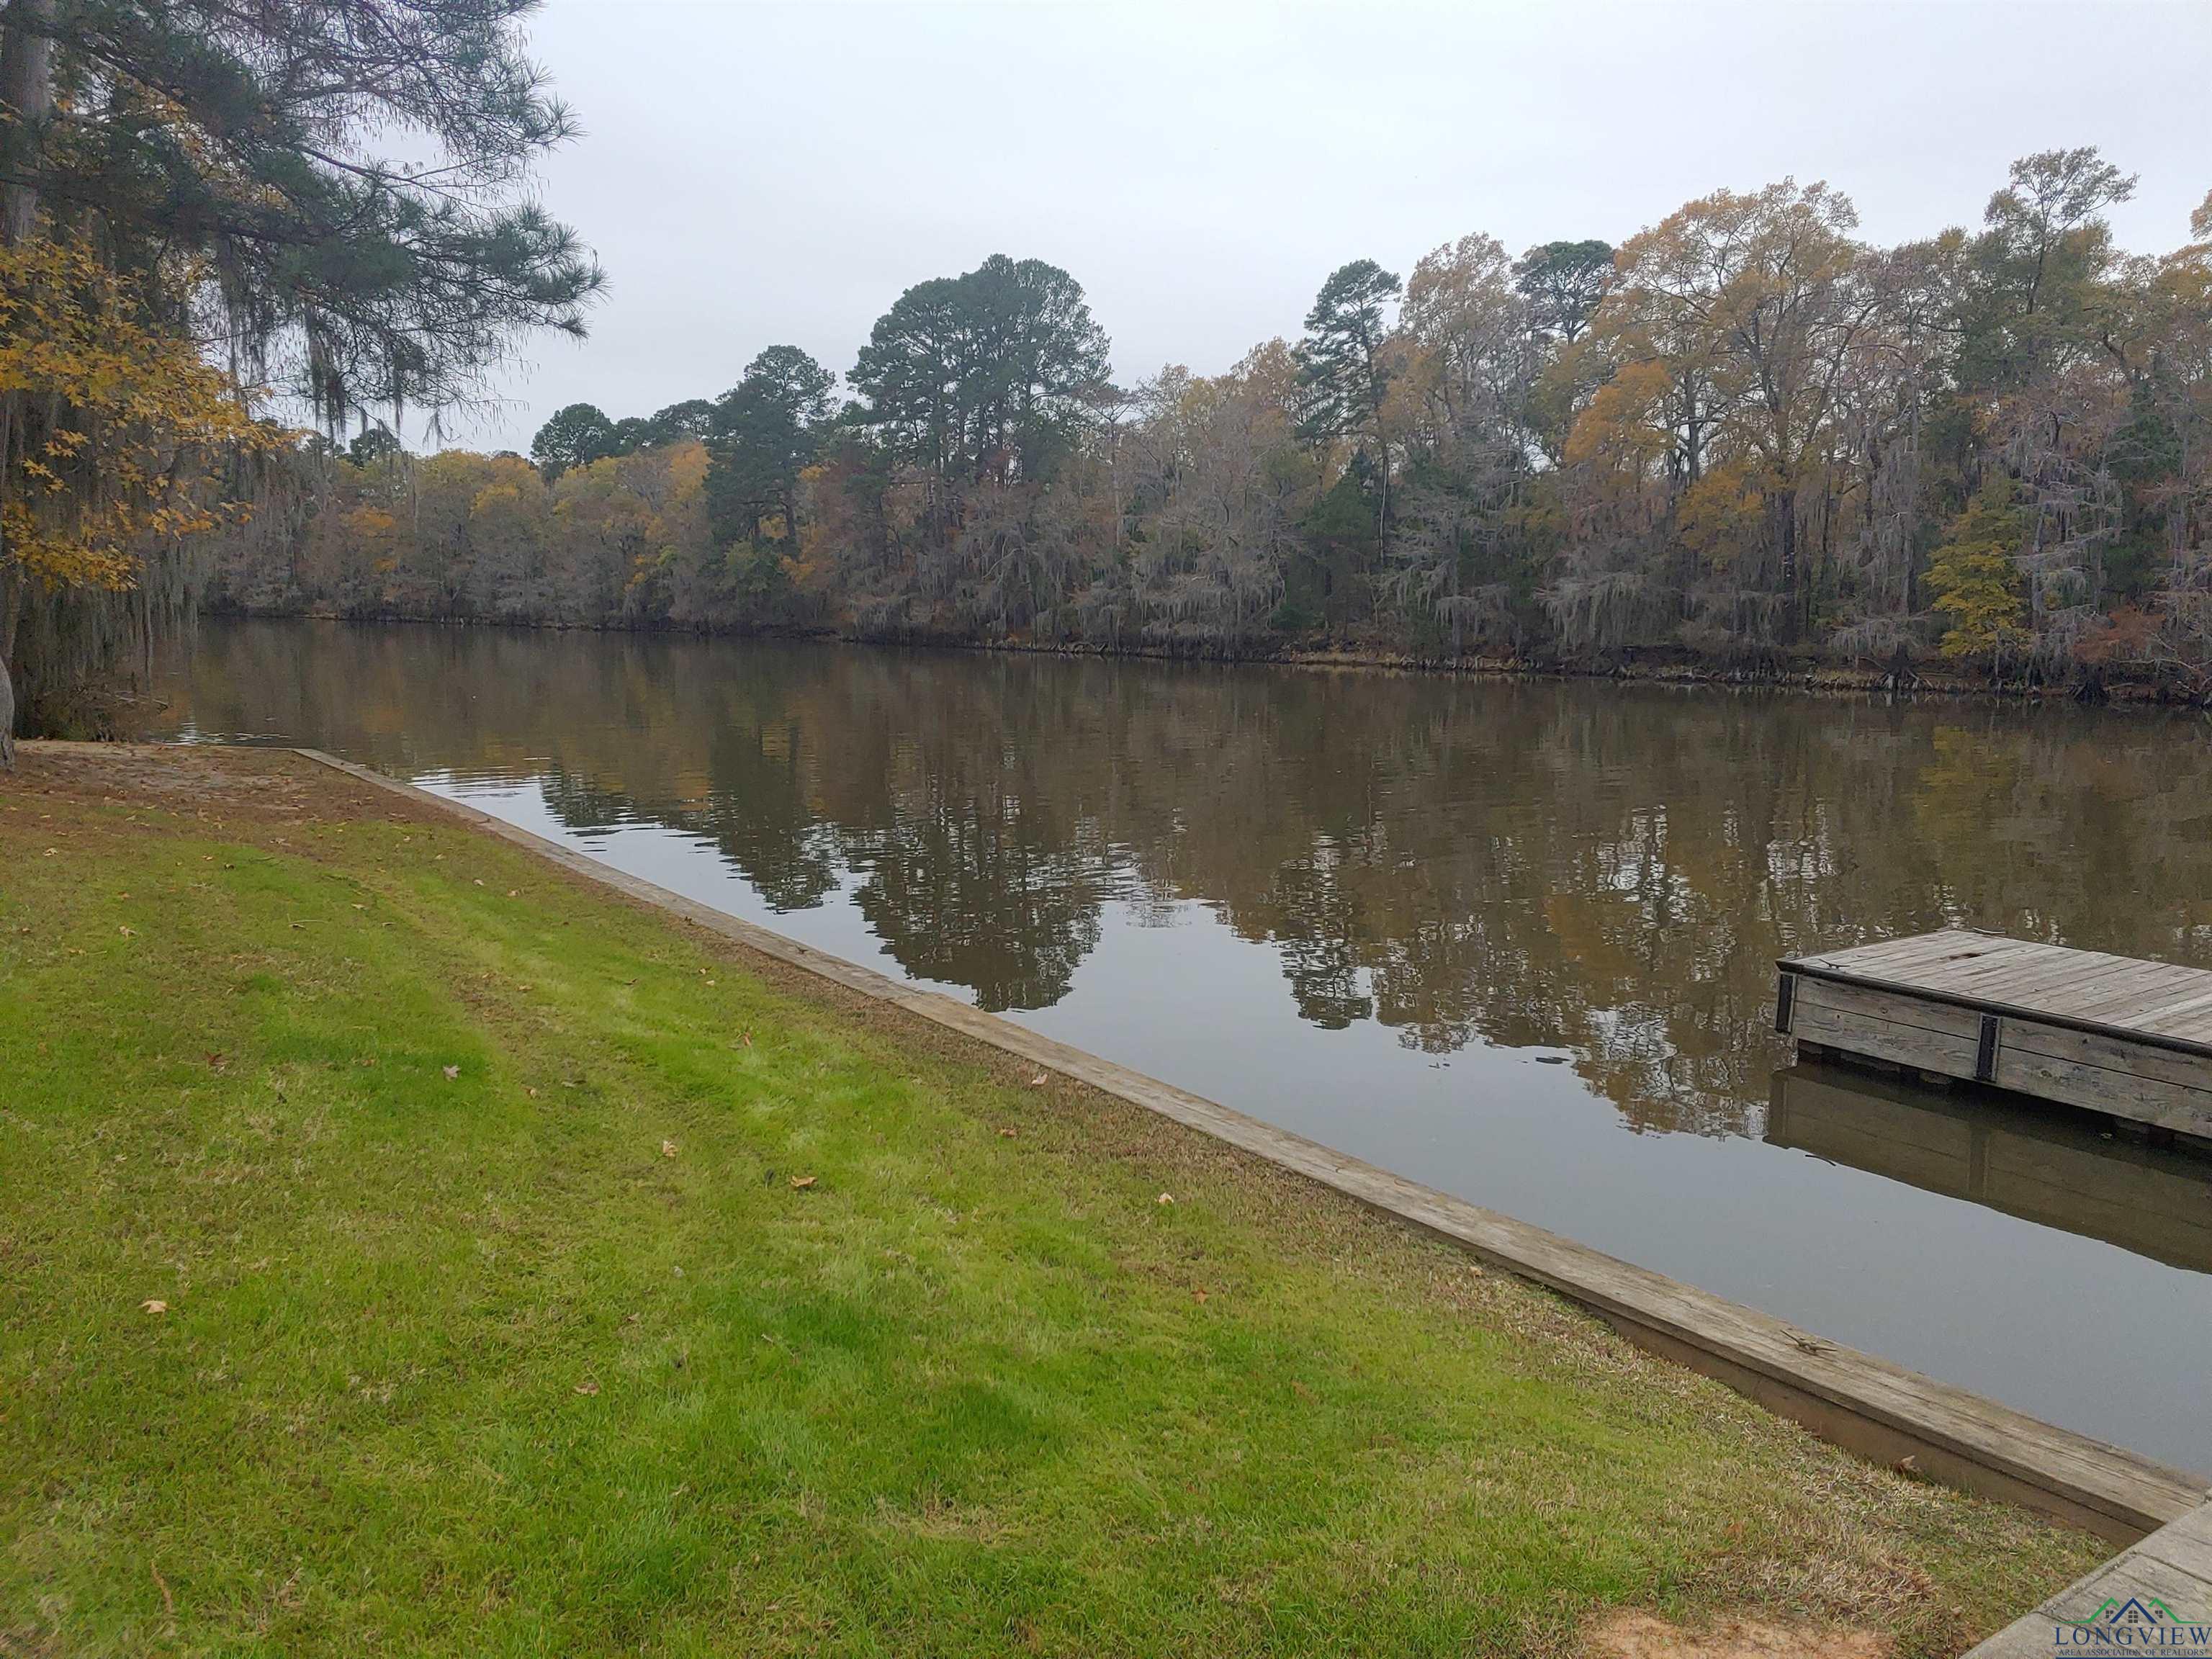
{"points": [[1743, 442]]}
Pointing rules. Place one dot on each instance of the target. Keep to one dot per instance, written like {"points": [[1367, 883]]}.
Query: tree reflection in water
{"points": [[1608, 870]]}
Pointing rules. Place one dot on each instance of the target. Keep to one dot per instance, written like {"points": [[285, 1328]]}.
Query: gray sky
{"points": [[756, 174]]}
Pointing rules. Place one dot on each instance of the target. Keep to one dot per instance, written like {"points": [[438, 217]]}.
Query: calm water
{"points": [[1514, 941]]}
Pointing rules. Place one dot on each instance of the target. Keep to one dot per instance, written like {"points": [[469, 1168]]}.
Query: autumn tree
{"points": [[227, 163], [1745, 437], [1976, 579], [1219, 479], [1750, 305], [112, 427], [1467, 359]]}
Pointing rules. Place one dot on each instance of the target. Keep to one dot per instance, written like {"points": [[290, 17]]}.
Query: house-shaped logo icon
{"points": [[2135, 1624]]}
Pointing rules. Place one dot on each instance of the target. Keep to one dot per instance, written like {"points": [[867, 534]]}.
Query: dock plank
{"points": [[2122, 994], [1943, 1052], [1955, 974], [2119, 993], [1899, 1009], [2188, 1018], [1888, 957], [2037, 978], [2093, 1088], [2113, 1054]]}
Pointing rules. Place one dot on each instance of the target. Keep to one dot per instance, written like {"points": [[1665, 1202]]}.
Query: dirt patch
{"points": [[206, 782], [1643, 1636]]}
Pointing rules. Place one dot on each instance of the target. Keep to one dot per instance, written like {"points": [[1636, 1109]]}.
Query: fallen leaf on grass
{"points": [[587, 1386], [128, 932], [749, 1039], [1007, 1133], [513, 892], [1039, 1080], [1165, 1198], [218, 1061], [1197, 1295], [154, 1305], [451, 1072], [800, 1183], [668, 1148]]}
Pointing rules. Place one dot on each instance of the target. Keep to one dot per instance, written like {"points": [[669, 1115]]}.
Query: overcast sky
{"points": [[756, 174]]}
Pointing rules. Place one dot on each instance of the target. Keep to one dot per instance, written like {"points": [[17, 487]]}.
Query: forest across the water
{"points": [[1743, 438]]}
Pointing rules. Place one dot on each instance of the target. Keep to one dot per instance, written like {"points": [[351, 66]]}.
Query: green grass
{"points": [[971, 1392]]}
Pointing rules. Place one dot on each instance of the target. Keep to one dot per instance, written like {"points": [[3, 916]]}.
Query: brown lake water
{"points": [[1513, 940]]}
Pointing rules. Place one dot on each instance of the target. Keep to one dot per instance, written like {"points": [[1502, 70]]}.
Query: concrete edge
{"points": [[1866, 1404], [2173, 1565]]}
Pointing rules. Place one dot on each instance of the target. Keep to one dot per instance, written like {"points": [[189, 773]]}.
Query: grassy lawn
{"points": [[536, 1277]]}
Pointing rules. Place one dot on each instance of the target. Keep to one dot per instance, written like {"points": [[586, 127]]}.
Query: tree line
{"points": [[1744, 437]]}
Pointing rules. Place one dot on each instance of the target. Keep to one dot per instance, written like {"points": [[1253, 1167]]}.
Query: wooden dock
{"points": [[2108, 1033]]}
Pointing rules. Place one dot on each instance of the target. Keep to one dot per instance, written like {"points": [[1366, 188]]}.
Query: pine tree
{"points": [[201, 171]]}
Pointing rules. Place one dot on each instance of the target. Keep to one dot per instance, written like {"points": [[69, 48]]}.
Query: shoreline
{"points": [[1877, 1410], [1829, 680]]}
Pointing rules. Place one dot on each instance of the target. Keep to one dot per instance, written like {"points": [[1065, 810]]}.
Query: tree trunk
{"points": [[11, 610], [26, 89], [27, 102], [10, 602]]}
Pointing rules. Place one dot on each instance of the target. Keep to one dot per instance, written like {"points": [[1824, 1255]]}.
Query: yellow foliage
{"points": [[687, 465], [1625, 425], [492, 498], [1721, 514], [114, 417]]}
